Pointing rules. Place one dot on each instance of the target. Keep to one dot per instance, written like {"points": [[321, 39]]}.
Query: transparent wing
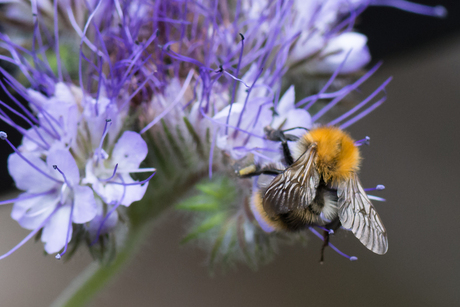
{"points": [[295, 188], [357, 213]]}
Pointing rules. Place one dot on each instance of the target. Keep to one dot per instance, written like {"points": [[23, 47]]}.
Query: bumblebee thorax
{"points": [[337, 157]]}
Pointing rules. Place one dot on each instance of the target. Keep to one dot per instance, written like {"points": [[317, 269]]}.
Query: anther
{"points": [[221, 69], [440, 11], [353, 258], [58, 256], [63, 176], [242, 36], [3, 135], [365, 141]]}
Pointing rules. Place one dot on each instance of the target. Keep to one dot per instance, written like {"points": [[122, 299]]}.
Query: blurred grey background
{"points": [[414, 152]]}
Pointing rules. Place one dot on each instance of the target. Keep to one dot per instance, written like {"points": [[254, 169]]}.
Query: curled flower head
{"points": [[190, 88]]}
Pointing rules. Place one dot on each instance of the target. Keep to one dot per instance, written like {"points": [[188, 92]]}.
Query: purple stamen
{"points": [[234, 83], [99, 230], [330, 231], [99, 150], [30, 117], [379, 187], [113, 175], [173, 104], [350, 88], [45, 114], [376, 198], [134, 183], [59, 255], [365, 141], [435, 11], [351, 258], [245, 103], [19, 128], [361, 104], [4, 137], [234, 78], [149, 78], [230, 126], [326, 86], [362, 114], [30, 235], [63, 175], [22, 197]]}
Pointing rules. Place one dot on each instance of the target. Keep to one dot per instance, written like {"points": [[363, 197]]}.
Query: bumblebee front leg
{"points": [[279, 136], [256, 170]]}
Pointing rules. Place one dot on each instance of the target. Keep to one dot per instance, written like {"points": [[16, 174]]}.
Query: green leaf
{"points": [[198, 203], [207, 225]]}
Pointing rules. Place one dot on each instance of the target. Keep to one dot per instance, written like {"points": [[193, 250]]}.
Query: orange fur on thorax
{"points": [[337, 156]]}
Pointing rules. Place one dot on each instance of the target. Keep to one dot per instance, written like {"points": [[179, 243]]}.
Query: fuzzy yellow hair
{"points": [[337, 156]]}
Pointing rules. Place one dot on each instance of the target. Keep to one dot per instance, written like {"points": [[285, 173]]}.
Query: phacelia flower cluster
{"points": [[186, 89]]}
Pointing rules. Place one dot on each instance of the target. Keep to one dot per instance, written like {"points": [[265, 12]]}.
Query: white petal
{"points": [[112, 193], [129, 151], [84, 205], [30, 213], [66, 163], [26, 177], [54, 233], [286, 103], [336, 51]]}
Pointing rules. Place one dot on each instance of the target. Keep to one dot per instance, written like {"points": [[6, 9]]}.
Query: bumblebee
{"points": [[319, 187]]}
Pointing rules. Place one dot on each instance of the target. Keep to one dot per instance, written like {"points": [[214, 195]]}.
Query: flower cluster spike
{"points": [[185, 87]]}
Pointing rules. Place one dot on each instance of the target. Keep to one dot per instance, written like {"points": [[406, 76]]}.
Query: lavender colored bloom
{"points": [[59, 202]]}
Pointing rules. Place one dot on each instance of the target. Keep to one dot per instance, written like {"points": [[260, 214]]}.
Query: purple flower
{"points": [[59, 198]]}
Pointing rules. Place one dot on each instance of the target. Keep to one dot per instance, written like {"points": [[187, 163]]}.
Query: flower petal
{"points": [[26, 177], [286, 102], [66, 163], [54, 233], [84, 205], [31, 212], [129, 151], [336, 51]]}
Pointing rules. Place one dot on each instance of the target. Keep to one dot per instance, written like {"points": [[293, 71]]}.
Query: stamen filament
{"points": [[20, 198], [234, 83], [59, 255], [134, 183], [434, 11], [30, 235], [379, 187], [3, 136]]}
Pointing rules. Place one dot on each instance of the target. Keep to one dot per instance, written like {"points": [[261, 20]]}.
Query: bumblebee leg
{"points": [[279, 136], [255, 170], [332, 225]]}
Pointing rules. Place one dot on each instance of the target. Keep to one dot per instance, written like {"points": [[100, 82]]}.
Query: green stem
{"points": [[96, 276]]}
